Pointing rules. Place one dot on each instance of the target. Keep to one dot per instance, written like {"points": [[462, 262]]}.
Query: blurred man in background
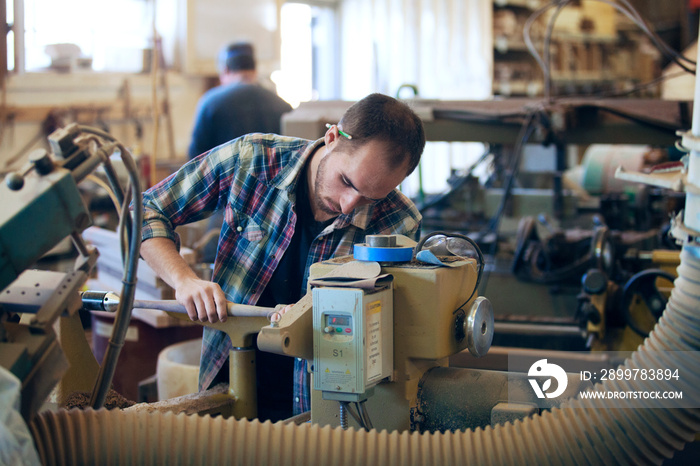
{"points": [[238, 106]]}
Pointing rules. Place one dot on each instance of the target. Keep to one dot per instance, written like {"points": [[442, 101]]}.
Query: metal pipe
{"points": [[241, 373], [86, 167], [511, 328], [79, 244]]}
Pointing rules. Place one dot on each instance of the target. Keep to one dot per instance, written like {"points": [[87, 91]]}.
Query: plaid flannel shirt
{"points": [[254, 179]]}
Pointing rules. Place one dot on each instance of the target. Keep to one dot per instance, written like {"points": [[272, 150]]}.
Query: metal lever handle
{"points": [[234, 309], [109, 301]]}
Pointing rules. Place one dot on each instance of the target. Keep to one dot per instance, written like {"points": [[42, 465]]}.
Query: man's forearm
{"points": [[162, 256], [203, 299]]}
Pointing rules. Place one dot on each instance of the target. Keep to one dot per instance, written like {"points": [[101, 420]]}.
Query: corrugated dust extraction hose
{"points": [[578, 432]]}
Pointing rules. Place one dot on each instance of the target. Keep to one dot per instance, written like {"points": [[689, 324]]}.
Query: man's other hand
{"points": [[277, 315]]}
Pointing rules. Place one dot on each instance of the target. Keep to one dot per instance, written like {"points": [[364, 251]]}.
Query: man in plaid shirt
{"points": [[287, 203]]}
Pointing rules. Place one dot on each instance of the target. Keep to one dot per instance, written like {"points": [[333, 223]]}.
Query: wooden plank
{"points": [[86, 113]]}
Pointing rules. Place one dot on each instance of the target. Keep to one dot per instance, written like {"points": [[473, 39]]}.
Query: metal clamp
{"points": [[688, 140], [682, 233]]}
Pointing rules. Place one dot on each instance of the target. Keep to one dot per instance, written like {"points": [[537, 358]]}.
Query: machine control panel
{"points": [[338, 324], [353, 340]]}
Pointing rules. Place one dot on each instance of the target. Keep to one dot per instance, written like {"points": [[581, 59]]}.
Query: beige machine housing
{"points": [[430, 304]]}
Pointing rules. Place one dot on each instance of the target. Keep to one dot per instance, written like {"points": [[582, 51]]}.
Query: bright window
{"points": [[10, 19], [308, 64], [99, 35]]}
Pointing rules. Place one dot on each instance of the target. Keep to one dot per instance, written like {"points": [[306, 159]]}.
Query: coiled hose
{"points": [[578, 432]]}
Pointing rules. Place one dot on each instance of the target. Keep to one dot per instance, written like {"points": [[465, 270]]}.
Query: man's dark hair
{"points": [[237, 57], [383, 118]]}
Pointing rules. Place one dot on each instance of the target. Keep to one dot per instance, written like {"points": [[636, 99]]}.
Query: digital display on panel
{"points": [[338, 320]]}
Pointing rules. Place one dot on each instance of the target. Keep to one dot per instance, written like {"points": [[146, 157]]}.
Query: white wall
{"points": [[444, 47]]}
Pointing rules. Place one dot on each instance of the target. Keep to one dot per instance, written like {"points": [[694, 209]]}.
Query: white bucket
{"points": [[177, 371]]}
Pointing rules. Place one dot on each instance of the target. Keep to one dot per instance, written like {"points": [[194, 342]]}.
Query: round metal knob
{"points": [[594, 282], [14, 181], [41, 161], [478, 327]]}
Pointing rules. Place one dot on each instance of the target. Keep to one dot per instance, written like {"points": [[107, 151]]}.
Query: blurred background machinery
{"points": [[561, 234]]}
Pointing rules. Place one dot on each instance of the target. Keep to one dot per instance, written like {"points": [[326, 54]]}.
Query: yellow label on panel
{"points": [[374, 340]]}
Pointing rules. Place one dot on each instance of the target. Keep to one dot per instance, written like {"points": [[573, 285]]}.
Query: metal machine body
{"points": [[41, 207], [430, 315]]}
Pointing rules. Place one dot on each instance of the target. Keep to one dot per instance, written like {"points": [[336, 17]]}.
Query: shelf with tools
{"points": [[592, 49], [515, 70]]}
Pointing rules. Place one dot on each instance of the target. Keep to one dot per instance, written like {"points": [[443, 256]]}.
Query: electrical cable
{"points": [[540, 110], [123, 229], [629, 290], [364, 414], [640, 22], [97, 132], [525, 133], [575, 268], [360, 419], [472, 243], [132, 240], [110, 172], [528, 39], [102, 184], [548, 52], [659, 43]]}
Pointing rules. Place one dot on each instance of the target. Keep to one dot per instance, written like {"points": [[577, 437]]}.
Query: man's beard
{"points": [[318, 189]]}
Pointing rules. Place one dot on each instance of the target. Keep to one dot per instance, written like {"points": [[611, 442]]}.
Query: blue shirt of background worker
{"points": [[238, 106]]}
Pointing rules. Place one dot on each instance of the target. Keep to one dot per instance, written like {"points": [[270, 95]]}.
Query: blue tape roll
{"points": [[364, 252]]}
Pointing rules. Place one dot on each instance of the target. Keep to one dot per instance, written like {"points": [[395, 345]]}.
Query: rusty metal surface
{"points": [[613, 121], [453, 399]]}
